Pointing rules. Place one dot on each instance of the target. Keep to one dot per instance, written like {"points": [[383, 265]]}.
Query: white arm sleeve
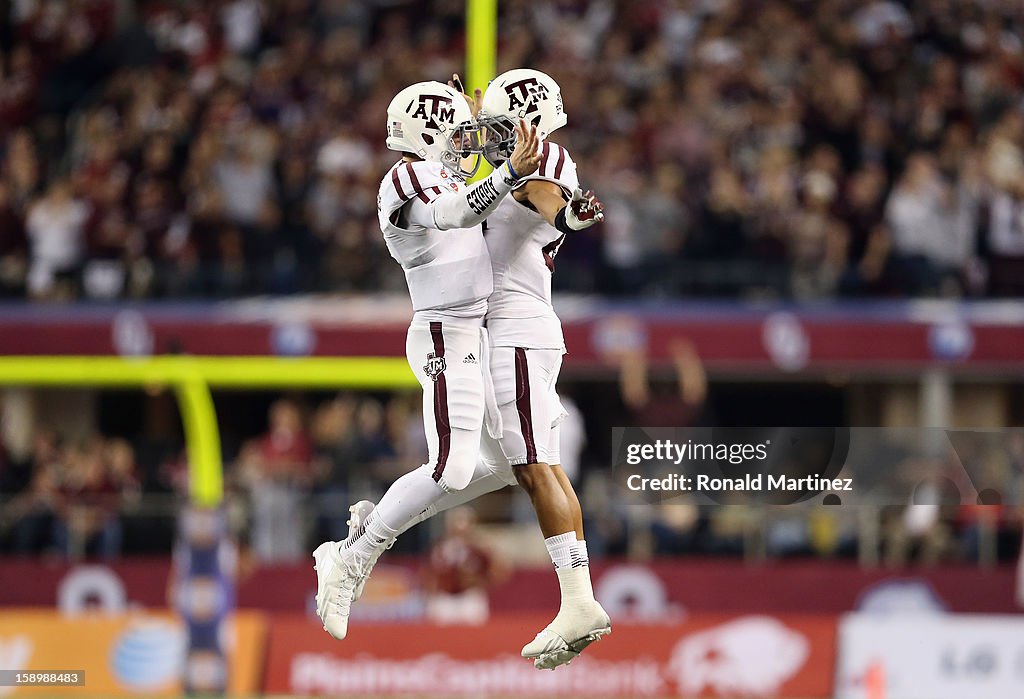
{"points": [[463, 209]]}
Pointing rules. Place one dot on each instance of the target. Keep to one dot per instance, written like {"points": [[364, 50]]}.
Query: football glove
{"points": [[582, 211]]}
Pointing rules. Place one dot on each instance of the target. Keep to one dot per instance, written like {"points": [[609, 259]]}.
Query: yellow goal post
{"points": [[192, 377], [481, 52]]}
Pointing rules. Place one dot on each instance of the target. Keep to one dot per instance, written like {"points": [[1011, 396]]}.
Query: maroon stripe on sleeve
{"points": [[398, 184], [416, 186], [544, 158], [561, 161], [441, 421], [523, 404]]}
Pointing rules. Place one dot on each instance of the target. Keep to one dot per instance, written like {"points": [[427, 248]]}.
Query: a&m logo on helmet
{"points": [[432, 109], [435, 366], [526, 93]]}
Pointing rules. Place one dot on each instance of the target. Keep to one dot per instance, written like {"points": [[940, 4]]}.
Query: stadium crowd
{"points": [[785, 148], [293, 469], [68, 497]]}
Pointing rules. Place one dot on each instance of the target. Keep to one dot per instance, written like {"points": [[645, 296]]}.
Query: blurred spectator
{"points": [[869, 240], [277, 471], [56, 226], [88, 521], [374, 445], [18, 89], [245, 182], [34, 508], [919, 528], [335, 453], [1003, 220], [819, 241], [13, 258], [21, 169], [459, 571], [675, 403], [929, 247], [122, 470], [675, 527]]}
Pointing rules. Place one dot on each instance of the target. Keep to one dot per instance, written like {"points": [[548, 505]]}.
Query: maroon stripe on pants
{"points": [[523, 404], [561, 161], [398, 185], [441, 422]]}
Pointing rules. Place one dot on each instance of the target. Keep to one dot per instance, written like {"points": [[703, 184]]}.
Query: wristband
{"points": [[515, 176], [561, 225]]}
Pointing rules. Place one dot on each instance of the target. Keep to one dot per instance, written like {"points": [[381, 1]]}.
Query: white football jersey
{"points": [[523, 246], [448, 272]]}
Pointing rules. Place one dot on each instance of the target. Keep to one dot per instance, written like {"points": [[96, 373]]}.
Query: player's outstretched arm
{"points": [[471, 206], [583, 210]]}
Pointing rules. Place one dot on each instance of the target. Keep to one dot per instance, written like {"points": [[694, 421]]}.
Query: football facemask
{"points": [[499, 138], [464, 142]]}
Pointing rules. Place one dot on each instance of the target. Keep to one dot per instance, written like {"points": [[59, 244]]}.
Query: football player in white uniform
{"points": [[523, 236], [431, 221]]}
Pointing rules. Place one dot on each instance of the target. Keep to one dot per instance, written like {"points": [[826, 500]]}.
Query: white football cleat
{"points": [[338, 573], [567, 636]]}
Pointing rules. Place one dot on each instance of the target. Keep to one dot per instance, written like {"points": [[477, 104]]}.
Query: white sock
{"points": [[560, 549], [373, 536], [407, 497], [578, 552], [567, 551]]}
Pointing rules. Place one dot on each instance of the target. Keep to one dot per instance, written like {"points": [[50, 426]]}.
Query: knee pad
{"points": [[462, 459]]}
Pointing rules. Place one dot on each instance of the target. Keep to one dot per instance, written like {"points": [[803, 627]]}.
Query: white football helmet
{"points": [[517, 94], [433, 121]]}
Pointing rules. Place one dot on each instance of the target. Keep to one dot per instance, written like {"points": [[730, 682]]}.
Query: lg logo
{"points": [[975, 661]]}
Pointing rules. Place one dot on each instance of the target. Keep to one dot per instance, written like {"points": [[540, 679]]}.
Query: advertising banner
{"points": [[730, 337], [640, 592], [702, 656], [941, 656], [134, 654]]}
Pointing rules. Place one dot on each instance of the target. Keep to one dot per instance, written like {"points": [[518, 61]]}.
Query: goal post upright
{"points": [[481, 51], [481, 42]]}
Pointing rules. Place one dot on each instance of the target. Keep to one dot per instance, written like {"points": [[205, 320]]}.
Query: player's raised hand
{"points": [[525, 158], [475, 102], [583, 210]]}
